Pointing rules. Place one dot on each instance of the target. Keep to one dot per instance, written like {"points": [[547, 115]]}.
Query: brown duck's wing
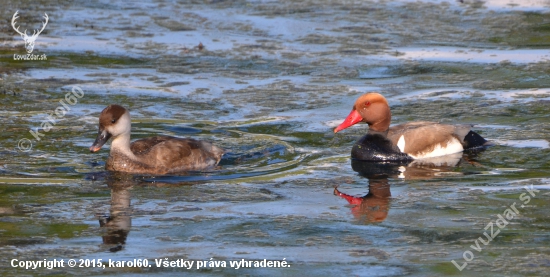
{"points": [[424, 135], [182, 154], [142, 146]]}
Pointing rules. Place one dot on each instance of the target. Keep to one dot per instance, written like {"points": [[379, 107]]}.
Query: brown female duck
{"points": [[154, 155]]}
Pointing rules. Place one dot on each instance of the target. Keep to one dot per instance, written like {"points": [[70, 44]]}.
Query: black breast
{"points": [[375, 146]]}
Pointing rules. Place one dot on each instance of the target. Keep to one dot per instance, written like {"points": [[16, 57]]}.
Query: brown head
{"points": [[113, 122], [371, 108]]}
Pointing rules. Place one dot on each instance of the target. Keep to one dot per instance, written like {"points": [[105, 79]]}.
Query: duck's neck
{"points": [[121, 144], [380, 122], [374, 132]]}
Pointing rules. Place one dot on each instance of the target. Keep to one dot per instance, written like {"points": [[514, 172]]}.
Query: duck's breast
{"points": [[375, 146]]}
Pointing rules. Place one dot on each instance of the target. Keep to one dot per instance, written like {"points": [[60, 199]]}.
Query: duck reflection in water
{"points": [[119, 222], [374, 206]]}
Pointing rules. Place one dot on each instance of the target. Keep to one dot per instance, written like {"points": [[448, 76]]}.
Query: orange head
{"points": [[371, 108]]}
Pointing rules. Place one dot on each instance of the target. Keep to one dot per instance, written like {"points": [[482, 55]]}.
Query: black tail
{"points": [[474, 140]]}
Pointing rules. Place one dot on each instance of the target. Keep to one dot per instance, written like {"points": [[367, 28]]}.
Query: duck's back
{"points": [[174, 154], [141, 146], [426, 139]]}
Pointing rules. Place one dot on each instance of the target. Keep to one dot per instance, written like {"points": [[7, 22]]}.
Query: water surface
{"points": [[269, 83]]}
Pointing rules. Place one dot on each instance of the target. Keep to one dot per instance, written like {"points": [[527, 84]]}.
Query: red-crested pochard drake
{"points": [[404, 142], [155, 155]]}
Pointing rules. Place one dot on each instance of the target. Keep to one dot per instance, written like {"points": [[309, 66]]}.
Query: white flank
{"points": [[453, 146], [401, 144]]}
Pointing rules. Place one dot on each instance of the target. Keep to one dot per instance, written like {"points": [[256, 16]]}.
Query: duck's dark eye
{"points": [[113, 121]]}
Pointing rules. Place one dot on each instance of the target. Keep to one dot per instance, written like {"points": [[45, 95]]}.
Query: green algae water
{"points": [[269, 81]]}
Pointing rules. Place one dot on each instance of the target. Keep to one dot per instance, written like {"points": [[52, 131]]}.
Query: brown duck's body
{"points": [[155, 155], [165, 155]]}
